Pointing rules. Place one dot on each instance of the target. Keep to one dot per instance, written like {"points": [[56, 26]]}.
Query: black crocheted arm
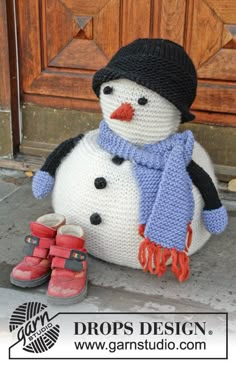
{"points": [[44, 179], [205, 185], [54, 159]]}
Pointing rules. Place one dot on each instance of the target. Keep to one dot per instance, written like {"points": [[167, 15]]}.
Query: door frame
{"points": [[14, 75], [9, 79]]}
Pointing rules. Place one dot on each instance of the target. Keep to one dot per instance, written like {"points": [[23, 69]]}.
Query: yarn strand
{"points": [[153, 258]]}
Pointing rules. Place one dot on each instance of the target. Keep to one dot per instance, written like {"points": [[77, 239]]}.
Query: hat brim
{"points": [[187, 116], [107, 74]]}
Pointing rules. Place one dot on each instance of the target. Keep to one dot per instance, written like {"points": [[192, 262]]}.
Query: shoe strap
{"points": [[30, 250], [39, 241], [66, 258], [37, 246], [67, 253]]}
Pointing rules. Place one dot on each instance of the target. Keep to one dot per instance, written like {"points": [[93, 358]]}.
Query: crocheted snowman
{"points": [[144, 194]]}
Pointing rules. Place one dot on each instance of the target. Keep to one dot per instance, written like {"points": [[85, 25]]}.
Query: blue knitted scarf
{"points": [[166, 199]]}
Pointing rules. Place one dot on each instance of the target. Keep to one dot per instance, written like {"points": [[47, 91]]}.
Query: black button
{"points": [[118, 160], [95, 219], [100, 183]]}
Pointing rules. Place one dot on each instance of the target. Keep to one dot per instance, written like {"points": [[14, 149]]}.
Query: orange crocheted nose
{"points": [[125, 113]]}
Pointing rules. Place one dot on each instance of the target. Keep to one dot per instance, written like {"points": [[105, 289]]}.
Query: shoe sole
{"points": [[30, 283], [69, 300]]}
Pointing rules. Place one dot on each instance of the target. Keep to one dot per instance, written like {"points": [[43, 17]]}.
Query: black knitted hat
{"points": [[158, 64]]}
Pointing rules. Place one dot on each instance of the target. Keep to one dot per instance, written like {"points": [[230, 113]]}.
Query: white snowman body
{"points": [[115, 239]]}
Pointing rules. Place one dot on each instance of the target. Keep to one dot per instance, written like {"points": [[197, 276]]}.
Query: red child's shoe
{"points": [[35, 268], [68, 283]]}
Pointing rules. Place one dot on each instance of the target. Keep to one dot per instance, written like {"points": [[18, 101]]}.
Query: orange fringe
{"points": [[141, 229], [153, 258]]}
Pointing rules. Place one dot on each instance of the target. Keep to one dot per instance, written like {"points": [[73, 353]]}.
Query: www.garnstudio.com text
{"points": [[144, 329]]}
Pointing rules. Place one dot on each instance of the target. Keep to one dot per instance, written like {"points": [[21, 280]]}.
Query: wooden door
{"points": [[63, 42], [211, 42]]}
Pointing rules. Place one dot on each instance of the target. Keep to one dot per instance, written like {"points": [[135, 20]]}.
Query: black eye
{"points": [[107, 90], [142, 101]]}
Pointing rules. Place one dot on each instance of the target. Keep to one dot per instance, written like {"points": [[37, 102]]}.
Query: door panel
{"points": [[222, 66], [79, 40], [63, 42], [168, 19], [210, 43], [135, 20], [225, 9], [80, 53]]}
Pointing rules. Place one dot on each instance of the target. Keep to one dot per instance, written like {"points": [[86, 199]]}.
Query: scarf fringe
{"points": [[153, 258]]}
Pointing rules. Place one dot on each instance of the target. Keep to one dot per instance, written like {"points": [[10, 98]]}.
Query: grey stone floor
{"points": [[211, 287]]}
